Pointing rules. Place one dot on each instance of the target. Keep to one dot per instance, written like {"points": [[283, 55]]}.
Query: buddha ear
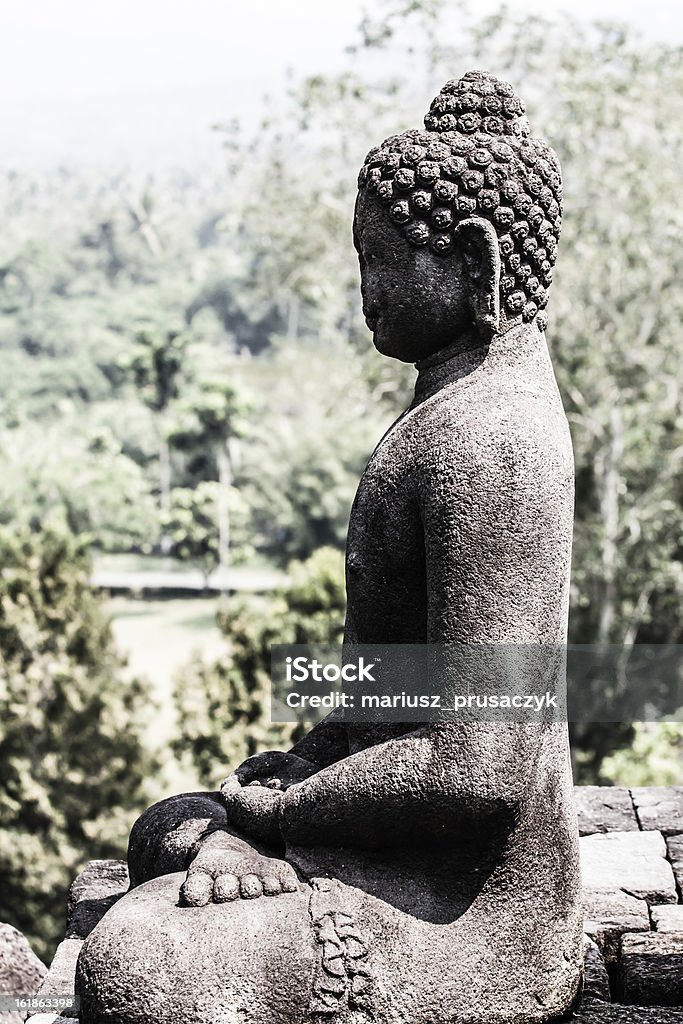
{"points": [[478, 243]]}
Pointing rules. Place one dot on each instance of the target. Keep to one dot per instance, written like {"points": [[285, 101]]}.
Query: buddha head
{"points": [[457, 226]]}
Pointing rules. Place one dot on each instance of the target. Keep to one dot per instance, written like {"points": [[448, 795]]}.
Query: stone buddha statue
{"points": [[403, 873]]}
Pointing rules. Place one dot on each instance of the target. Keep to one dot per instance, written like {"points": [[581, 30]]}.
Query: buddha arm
{"points": [[424, 785], [326, 743], [496, 518]]}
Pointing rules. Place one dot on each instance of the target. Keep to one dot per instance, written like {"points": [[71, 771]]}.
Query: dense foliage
{"points": [[73, 760]]}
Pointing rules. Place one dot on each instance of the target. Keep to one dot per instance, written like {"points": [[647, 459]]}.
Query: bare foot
{"points": [[227, 869]]}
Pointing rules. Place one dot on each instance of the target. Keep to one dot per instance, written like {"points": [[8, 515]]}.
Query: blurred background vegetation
{"points": [[189, 386]]}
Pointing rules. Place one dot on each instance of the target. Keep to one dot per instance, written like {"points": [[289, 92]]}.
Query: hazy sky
{"points": [[141, 81]]}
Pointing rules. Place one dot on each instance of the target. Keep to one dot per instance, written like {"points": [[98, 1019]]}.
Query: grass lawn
{"points": [[160, 636]]}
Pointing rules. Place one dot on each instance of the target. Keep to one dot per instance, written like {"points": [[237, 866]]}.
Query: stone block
{"points": [[60, 978], [595, 976], [608, 915], [634, 862], [675, 850], [651, 969], [599, 1013], [92, 893], [660, 807], [668, 918], [604, 809], [21, 971]]}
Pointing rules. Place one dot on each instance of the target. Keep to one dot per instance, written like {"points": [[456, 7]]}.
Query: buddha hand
{"points": [[253, 795], [275, 769]]}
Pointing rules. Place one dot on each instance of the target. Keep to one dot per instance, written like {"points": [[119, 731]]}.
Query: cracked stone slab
{"points": [[675, 849], [668, 918], [608, 915], [605, 809], [599, 1013], [634, 862], [92, 893], [651, 969], [660, 807]]}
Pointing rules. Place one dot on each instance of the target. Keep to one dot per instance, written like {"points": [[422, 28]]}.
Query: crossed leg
{"points": [[153, 959]]}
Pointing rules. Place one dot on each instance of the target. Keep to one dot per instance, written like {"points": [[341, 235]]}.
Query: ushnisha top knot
{"points": [[478, 102], [477, 158]]}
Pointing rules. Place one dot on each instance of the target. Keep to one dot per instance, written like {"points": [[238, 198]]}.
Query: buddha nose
{"points": [[354, 562], [371, 313]]}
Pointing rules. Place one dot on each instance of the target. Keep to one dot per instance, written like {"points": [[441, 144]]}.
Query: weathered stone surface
{"points": [[674, 846], [668, 918], [47, 1018], [651, 969], [239, 954], [59, 980], [634, 862], [598, 1013], [661, 808], [604, 809], [424, 855], [595, 976], [21, 972], [92, 893], [438, 195], [608, 915], [20, 968]]}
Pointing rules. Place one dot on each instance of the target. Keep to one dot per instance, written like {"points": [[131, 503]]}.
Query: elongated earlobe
{"points": [[478, 242]]}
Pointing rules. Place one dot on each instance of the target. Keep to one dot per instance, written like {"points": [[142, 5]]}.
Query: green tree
{"points": [[214, 421], [223, 707], [83, 478], [653, 758], [72, 760], [192, 525], [310, 438], [156, 364]]}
